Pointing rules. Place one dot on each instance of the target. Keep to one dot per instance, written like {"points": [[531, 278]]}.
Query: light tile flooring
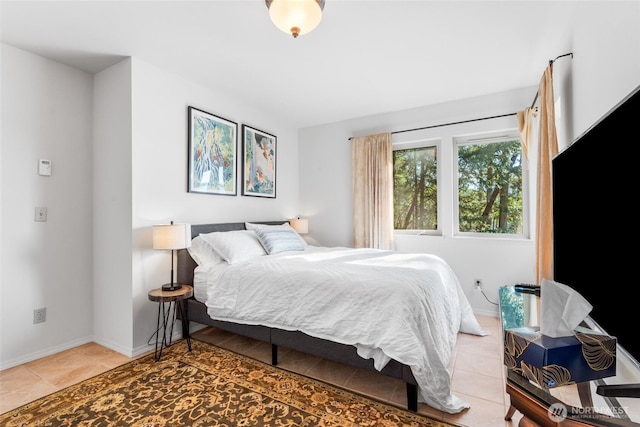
{"points": [[476, 368]]}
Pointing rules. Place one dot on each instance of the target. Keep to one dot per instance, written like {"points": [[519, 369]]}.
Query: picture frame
{"points": [[259, 167], [213, 154]]}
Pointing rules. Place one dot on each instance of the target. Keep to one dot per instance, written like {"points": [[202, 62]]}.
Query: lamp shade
{"points": [[300, 225], [295, 17], [172, 236]]}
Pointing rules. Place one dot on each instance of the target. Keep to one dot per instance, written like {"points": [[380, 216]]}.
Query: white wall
{"points": [[112, 201], [606, 63], [92, 264], [46, 114], [159, 180], [605, 68]]}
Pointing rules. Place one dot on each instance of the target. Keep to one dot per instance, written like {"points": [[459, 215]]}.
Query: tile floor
{"points": [[476, 369]]}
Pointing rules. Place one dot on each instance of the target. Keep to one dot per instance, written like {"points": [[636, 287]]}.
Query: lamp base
{"points": [[171, 286]]}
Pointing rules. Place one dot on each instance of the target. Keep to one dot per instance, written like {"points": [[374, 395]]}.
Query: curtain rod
{"points": [[449, 124], [551, 62], [475, 120]]}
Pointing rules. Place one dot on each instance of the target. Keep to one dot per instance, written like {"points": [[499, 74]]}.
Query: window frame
{"points": [[487, 138], [426, 143]]}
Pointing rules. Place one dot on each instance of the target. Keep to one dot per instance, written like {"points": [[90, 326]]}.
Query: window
{"points": [[490, 185], [415, 187], [472, 185]]}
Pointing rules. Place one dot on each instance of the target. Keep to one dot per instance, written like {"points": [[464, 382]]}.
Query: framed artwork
{"points": [[213, 146], [258, 163]]}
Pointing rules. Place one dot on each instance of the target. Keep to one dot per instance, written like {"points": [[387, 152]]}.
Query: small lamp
{"points": [[300, 225], [295, 17], [172, 236]]}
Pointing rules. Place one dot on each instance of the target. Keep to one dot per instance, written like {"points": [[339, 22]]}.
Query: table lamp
{"points": [[300, 225], [171, 236]]}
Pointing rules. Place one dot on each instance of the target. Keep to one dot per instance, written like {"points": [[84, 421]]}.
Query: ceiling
{"points": [[365, 57]]}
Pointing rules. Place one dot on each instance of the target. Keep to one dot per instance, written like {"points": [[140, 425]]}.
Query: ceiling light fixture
{"points": [[295, 17]]}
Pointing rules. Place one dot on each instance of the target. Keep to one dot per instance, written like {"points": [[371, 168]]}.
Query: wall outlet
{"points": [[478, 284], [39, 315]]}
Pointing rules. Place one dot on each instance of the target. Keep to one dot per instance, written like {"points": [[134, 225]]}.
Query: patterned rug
{"points": [[208, 386]]}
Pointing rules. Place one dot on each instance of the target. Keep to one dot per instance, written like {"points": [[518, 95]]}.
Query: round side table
{"points": [[169, 303]]}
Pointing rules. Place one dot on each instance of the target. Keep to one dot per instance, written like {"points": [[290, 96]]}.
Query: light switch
{"points": [[41, 214], [44, 167]]}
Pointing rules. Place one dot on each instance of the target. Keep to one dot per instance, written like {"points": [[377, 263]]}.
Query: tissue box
{"points": [[553, 362]]}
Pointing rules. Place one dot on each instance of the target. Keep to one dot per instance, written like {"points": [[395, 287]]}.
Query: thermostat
{"points": [[44, 167]]}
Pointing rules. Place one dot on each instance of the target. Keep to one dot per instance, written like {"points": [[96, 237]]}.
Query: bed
{"points": [[363, 307]]}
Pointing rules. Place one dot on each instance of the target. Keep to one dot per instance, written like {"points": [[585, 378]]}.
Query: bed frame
{"points": [[196, 311]]}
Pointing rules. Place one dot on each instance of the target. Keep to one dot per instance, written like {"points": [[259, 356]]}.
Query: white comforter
{"points": [[407, 307]]}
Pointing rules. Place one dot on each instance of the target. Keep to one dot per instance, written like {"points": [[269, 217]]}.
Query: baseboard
{"points": [[6, 364]]}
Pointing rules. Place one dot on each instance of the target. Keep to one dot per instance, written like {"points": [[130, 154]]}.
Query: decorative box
{"points": [[553, 362]]}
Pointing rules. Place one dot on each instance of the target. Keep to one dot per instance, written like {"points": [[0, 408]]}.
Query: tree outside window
{"points": [[488, 194], [415, 189], [490, 188]]}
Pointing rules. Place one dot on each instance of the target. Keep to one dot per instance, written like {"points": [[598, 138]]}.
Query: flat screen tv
{"points": [[595, 185]]}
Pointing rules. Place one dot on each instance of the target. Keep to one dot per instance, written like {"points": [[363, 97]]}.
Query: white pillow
{"points": [[236, 245], [203, 253], [279, 239], [254, 226]]}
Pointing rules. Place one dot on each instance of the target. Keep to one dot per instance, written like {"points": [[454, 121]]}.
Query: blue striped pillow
{"points": [[277, 238]]}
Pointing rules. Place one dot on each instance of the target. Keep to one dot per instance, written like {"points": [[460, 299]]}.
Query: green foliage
{"points": [[511, 307], [490, 187], [415, 194]]}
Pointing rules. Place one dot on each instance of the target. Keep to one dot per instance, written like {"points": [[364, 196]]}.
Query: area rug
{"points": [[208, 386]]}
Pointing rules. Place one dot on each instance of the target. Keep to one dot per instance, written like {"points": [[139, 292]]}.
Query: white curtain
{"points": [[372, 182]]}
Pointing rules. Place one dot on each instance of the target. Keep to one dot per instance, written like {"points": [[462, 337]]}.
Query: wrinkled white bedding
{"points": [[407, 307]]}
